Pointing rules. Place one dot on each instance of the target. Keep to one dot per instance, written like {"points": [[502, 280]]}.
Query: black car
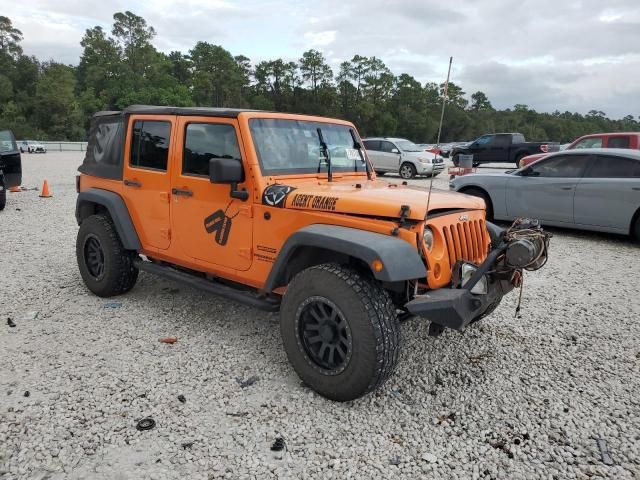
{"points": [[10, 165], [501, 148]]}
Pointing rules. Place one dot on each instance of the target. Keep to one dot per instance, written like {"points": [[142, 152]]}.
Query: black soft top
{"points": [[105, 148], [188, 111]]}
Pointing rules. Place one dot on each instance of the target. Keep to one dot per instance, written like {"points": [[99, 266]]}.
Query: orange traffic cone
{"points": [[15, 189], [45, 189]]}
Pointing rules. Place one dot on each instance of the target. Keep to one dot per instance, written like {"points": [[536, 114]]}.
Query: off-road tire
{"points": [[372, 322], [407, 171], [119, 273], [487, 200], [3, 194]]}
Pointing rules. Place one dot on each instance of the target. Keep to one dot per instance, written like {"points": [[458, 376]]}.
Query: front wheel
{"points": [[340, 331], [105, 266], [407, 171]]}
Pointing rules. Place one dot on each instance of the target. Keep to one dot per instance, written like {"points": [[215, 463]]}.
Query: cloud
{"points": [[320, 39], [572, 55]]}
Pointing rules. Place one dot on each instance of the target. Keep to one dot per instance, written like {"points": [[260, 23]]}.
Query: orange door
{"points": [[147, 177], [208, 224]]}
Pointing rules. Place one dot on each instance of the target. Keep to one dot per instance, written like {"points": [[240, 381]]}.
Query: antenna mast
{"points": [[444, 102]]}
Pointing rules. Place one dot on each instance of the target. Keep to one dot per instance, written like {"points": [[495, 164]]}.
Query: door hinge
{"points": [[165, 233], [244, 252]]}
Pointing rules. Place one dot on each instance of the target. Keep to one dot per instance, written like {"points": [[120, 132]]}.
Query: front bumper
{"points": [[458, 307], [429, 168], [455, 307]]}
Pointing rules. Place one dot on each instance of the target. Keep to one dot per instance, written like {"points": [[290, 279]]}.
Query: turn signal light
{"points": [[377, 265]]}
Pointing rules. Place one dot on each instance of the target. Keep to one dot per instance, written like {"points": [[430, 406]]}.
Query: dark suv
{"points": [[10, 165]]}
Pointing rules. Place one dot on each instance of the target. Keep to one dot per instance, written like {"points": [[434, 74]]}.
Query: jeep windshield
{"points": [[286, 147]]}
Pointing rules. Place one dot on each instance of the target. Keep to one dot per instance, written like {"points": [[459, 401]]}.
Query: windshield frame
{"points": [[357, 167]]}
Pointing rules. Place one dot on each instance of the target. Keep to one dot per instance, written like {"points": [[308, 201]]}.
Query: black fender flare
{"points": [[117, 210], [400, 260]]}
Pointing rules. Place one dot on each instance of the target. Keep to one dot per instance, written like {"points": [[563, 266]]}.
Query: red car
{"points": [[596, 140]]}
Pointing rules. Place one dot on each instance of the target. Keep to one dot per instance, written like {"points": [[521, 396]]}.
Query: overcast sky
{"points": [[572, 55]]}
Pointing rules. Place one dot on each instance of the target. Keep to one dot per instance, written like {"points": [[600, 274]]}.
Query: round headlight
{"points": [[428, 237]]}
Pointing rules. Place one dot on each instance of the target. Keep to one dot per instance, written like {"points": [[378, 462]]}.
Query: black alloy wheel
{"points": [[324, 334], [94, 256]]}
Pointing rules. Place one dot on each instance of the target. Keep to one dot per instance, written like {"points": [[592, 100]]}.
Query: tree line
{"points": [[50, 100]]}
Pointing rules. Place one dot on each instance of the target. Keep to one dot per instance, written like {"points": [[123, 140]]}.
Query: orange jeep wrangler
{"points": [[284, 212]]}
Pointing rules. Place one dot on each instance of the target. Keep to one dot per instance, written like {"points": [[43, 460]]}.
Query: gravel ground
{"points": [[509, 398]]}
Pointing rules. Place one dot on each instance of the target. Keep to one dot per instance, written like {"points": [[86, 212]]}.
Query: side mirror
{"points": [[395, 150], [228, 170], [529, 172]]}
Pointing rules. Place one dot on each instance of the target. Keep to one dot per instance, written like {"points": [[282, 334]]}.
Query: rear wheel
{"points": [[340, 331], [476, 192], [105, 266], [407, 170]]}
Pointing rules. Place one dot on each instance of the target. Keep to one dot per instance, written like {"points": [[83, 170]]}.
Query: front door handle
{"points": [[566, 188], [635, 188], [184, 193], [132, 183]]}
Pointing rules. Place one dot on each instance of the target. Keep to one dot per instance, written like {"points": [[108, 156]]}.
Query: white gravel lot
{"points": [[509, 398]]}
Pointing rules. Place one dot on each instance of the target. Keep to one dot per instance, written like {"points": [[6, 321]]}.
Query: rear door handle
{"points": [[566, 188], [132, 183], [635, 188], [184, 193]]}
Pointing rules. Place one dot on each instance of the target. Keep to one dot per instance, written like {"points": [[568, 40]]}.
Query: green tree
{"points": [[10, 38], [217, 79], [479, 101]]}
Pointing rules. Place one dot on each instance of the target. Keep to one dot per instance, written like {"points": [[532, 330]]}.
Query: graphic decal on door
{"points": [[219, 223], [275, 195]]}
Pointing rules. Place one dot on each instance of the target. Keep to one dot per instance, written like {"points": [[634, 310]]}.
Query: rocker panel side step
{"points": [[247, 298]]}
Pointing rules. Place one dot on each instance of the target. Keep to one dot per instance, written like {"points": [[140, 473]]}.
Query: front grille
{"points": [[466, 241]]}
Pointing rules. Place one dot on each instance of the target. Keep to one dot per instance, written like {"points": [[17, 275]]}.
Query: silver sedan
{"points": [[595, 189]]}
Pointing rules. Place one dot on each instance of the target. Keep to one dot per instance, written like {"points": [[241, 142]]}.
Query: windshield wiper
{"points": [[358, 146], [325, 151]]}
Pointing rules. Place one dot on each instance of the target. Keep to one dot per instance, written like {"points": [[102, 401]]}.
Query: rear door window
{"points": [[502, 141], [150, 144], [618, 142], [373, 145], [563, 166], [608, 166]]}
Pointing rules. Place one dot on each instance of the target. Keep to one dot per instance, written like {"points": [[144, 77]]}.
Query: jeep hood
{"points": [[372, 198]]}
